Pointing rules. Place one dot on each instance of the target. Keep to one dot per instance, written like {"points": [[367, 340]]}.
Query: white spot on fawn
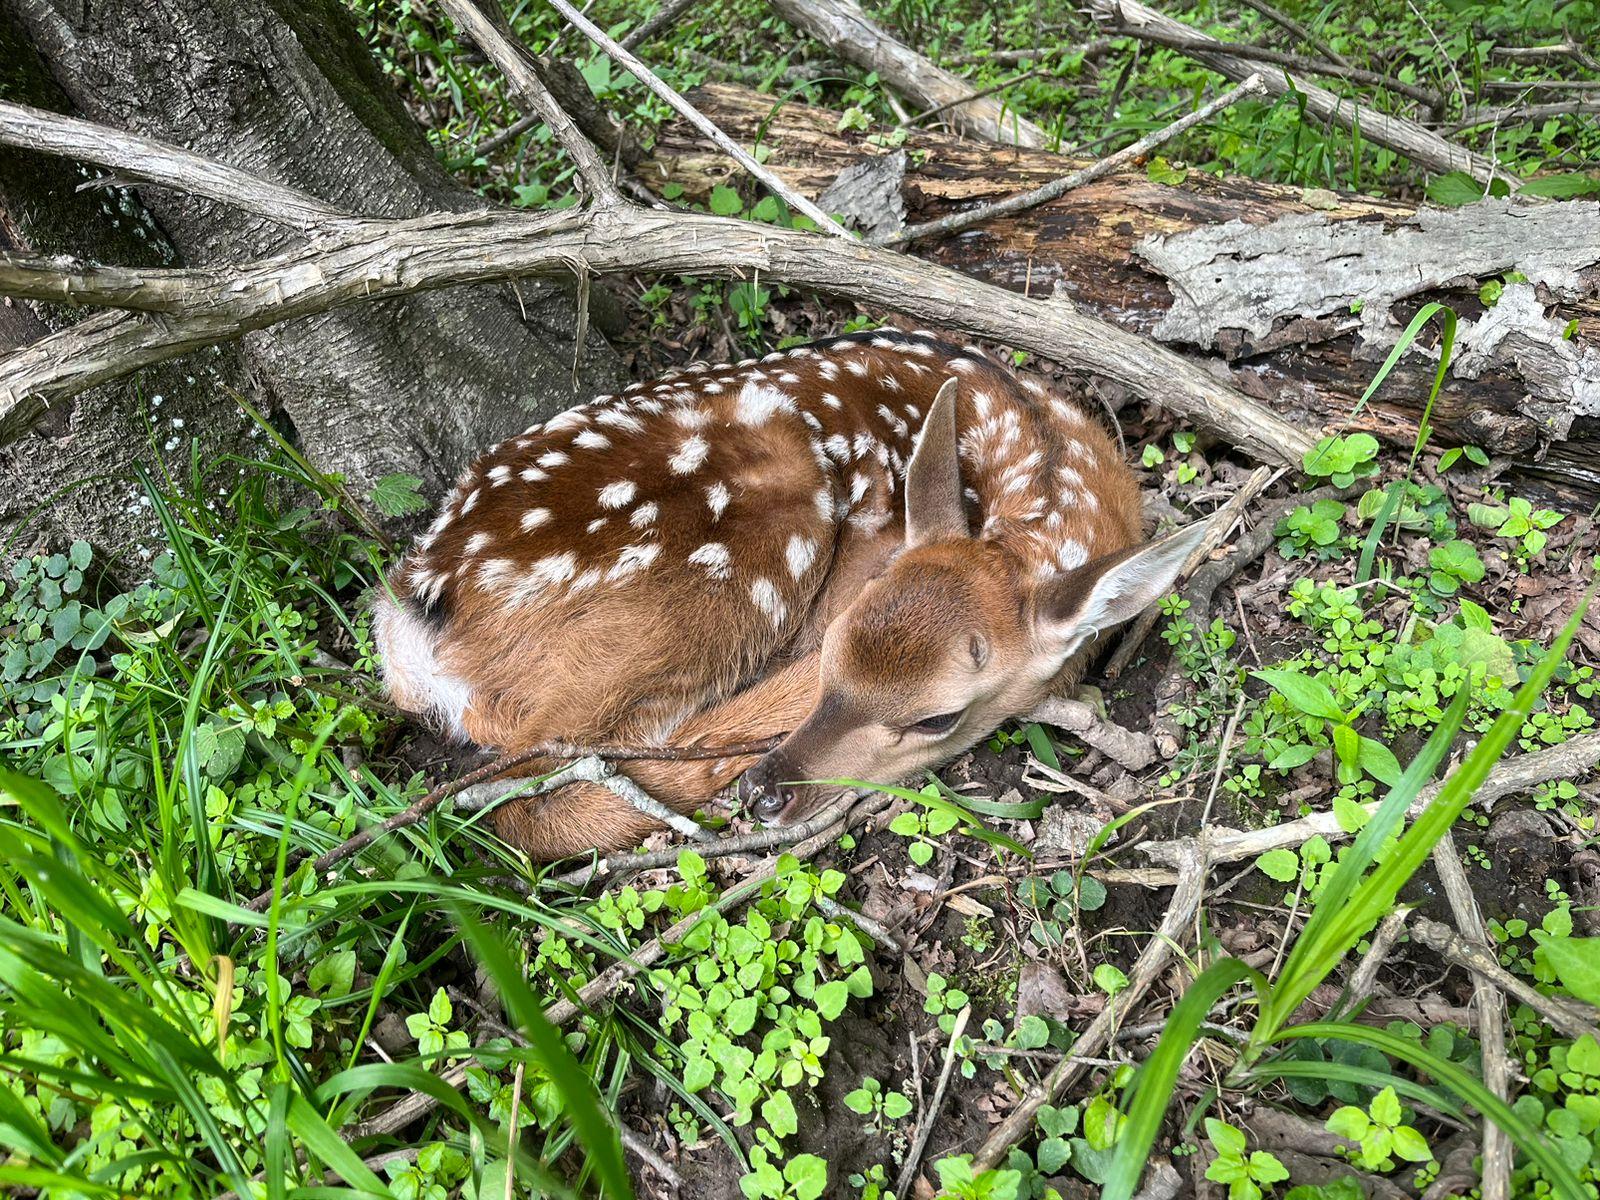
{"points": [[690, 455], [596, 525], [551, 458], [499, 475], [534, 518], [531, 475], [799, 554], [717, 499], [644, 515], [1071, 554], [472, 499], [619, 418], [765, 595], [756, 404], [477, 542], [615, 495], [632, 559], [713, 556], [592, 439]]}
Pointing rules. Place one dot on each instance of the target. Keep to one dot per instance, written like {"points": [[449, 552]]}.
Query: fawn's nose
{"points": [[761, 790]]}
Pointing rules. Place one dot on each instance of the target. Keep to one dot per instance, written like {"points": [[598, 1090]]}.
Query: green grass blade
{"points": [[1354, 911], [1150, 1090], [1471, 1089]]}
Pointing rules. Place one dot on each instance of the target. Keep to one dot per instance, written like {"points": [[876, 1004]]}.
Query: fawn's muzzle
{"points": [[762, 789]]}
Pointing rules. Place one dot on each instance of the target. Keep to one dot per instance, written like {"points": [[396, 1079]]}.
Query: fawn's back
{"points": [[638, 568]]}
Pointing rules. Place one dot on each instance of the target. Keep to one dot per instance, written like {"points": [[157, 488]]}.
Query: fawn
{"points": [[880, 542]]}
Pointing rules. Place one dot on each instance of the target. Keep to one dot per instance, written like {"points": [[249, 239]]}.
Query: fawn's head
{"points": [[957, 636]]}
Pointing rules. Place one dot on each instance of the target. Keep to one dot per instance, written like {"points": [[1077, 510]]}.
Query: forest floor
{"points": [[191, 740]]}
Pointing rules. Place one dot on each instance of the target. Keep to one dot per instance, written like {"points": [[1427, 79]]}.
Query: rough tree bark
{"points": [[287, 90], [1261, 279]]}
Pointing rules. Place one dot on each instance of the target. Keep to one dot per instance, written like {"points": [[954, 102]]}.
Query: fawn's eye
{"points": [[938, 723]]}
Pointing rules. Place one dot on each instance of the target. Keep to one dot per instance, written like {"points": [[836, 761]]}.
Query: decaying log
{"points": [[1295, 295]]}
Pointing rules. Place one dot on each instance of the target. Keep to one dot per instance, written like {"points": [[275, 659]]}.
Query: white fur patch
{"points": [[632, 559], [615, 495], [690, 455], [477, 542], [765, 595], [596, 525], [619, 418], [534, 518], [531, 475], [800, 553], [411, 669], [714, 557], [717, 499], [499, 475], [757, 404], [592, 439], [1071, 554], [644, 515], [471, 500], [551, 458]]}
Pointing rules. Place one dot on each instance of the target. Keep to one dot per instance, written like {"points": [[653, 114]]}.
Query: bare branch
{"points": [[663, 18], [380, 259], [847, 32], [162, 164], [626, 59], [1404, 137], [1526, 114], [513, 62], [1098, 170], [1285, 21]]}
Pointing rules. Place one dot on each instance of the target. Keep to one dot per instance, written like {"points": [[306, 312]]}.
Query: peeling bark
{"points": [[1260, 280]]}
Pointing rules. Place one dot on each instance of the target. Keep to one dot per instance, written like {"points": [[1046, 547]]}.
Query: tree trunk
{"points": [[1295, 295], [286, 89]]}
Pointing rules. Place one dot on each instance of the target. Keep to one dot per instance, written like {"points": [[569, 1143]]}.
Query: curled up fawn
{"points": [[880, 545]]}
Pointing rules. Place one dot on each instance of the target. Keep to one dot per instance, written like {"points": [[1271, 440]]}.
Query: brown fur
{"points": [[605, 647]]}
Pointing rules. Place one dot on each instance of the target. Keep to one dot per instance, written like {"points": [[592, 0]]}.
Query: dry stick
{"points": [[930, 1114], [1060, 187], [530, 89], [1407, 138], [663, 18], [1366, 973], [1522, 114], [1298, 62], [1129, 750], [1091, 50], [1223, 522], [1192, 857], [419, 811], [626, 59], [392, 258], [848, 32], [1491, 1007], [1572, 1018], [1285, 21], [164, 165]]}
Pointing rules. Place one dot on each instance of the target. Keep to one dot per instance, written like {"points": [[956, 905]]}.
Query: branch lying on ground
{"points": [[378, 259], [663, 18], [846, 31], [1568, 1016], [1060, 187], [626, 59], [1525, 114], [420, 810], [1129, 750], [1295, 62], [163, 165], [1406, 138], [1491, 1009], [1190, 858], [1286, 22]]}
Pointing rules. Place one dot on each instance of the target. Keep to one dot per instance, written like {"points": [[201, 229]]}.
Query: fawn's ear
{"points": [[934, 507], [1084, 602]]}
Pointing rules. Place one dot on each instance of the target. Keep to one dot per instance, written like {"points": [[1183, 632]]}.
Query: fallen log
{"points": [[1293, 295]]}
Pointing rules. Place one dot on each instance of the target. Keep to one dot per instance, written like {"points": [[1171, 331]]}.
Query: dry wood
{"points": [[1406, 138], [930, 1112], [1057, 188], [1284, 21], [851, 35], [1264, 275], [162, 164], [390, 258], [1491, 1009]]}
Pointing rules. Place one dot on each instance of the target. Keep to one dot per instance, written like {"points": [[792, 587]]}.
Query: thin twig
{"points": [[1365, 977], [1191, 857], [663, 18], [420, 810], [930, 1114], [1285, 21], [629, 62], [1491, 1006], [1060, 187], [1525, 114], [1570, 1017], [1223, 522], [525, 83]]}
